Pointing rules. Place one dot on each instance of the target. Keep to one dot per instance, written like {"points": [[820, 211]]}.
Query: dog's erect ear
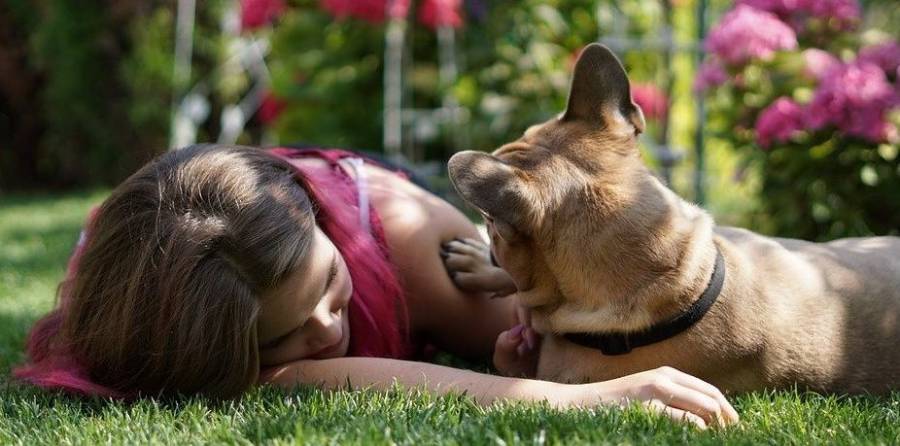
{"points": [[491, 186], [601, 92]]}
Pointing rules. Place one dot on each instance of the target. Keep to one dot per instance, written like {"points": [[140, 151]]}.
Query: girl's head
{"points": [[168, 292], [210, 263]]}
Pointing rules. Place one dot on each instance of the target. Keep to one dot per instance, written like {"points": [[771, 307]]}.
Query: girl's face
{"points": [[305, 317]]}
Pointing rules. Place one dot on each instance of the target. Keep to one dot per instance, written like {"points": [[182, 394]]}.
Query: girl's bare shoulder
{"points": [[410, 213]]}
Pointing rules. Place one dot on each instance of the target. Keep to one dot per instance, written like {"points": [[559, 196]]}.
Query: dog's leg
{"points": [[468, 261]]}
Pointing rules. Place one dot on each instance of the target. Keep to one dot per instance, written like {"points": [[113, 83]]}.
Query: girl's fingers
{"points": [[512, 357], [530, 337], [692, 401], [505, 350], [692, 382], [675, 413], [507, 342]]}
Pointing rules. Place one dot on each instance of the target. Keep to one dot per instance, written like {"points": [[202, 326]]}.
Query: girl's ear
{"points": [[494, 188]]}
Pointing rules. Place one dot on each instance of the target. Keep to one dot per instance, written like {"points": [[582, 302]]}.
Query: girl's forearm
{"points": [[382, 373], [669, 391]]}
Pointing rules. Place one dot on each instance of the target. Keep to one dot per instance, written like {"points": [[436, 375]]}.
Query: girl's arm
{"points": [[416, 223], [673, 393]]}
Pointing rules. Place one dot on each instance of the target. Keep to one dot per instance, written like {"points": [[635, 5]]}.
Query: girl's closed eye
{"points": [[332, 273], [275, 342], [329, 281]]}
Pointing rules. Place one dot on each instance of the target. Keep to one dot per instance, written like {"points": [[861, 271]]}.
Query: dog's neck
{"points": [[647, 265]]}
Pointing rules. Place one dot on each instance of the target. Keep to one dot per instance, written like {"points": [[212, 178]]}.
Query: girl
{"points": [[215, 268]]}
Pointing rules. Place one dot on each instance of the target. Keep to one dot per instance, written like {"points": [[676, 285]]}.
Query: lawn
{"points": [[37, 233]]}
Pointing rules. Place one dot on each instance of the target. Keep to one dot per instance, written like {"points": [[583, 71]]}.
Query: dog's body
{"points": [[822, 316], [596, 244]]}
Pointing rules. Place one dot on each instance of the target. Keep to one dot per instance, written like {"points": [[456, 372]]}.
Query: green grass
{"points": [[37, 233]]}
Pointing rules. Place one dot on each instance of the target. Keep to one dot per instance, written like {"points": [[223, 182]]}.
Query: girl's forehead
{"points": [[287, 305]]}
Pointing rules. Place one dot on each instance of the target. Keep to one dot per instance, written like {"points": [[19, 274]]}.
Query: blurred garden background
{"points": [[778, 115]]}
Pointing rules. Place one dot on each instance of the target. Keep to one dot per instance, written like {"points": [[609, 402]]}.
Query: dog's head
{"points": [[555, 198]]}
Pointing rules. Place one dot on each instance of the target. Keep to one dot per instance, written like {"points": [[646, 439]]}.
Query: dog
{"points": [[621, 275]]}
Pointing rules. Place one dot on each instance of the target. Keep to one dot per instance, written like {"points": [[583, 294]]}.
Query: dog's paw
{"points": [[468, 261]]}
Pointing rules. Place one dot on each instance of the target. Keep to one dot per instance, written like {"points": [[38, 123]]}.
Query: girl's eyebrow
{"points": [[332, 273]]}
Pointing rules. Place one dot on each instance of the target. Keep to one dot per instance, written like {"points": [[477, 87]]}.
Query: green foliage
{"points": [[79, 92], [101, 72], [329, 71], [514, 67], [147, 73], [519, 66], [829, 189]]}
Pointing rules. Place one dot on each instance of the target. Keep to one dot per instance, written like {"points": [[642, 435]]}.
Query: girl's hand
{"points": [[516, 352], [666, 390]]}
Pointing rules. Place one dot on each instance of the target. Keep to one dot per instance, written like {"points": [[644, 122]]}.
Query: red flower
{"points": [[373, 11], [270, 108], [258, 13], [651, 99], [438, 13]]}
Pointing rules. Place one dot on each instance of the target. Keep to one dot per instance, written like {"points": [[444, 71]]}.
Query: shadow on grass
{"points": [[47, 250], [13, 332]]}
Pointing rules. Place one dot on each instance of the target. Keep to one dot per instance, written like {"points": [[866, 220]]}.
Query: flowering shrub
{"points": [[811, 15], [779, 122], [792, 88], [747, 33], [855, 98]]}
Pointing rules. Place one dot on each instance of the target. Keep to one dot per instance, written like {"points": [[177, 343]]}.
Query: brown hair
{"points": [[165, 298]]}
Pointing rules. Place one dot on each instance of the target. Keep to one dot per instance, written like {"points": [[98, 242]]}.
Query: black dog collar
{"points": [[620, 343]]}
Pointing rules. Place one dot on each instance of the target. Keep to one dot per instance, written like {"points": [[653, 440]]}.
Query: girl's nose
{"points": [[326, 328]]}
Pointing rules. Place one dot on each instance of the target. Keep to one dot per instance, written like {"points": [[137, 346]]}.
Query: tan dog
{"points": [[596, 244]]}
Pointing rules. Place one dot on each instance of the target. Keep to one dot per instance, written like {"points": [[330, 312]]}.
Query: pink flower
{"points": [[437, 13], [710, 74], [258, 13], [886, 55], [270, 108], [855, 98], [843, 13], [747, 33], [651, 99], [373, 11], [819, 63], [779, 122]]}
